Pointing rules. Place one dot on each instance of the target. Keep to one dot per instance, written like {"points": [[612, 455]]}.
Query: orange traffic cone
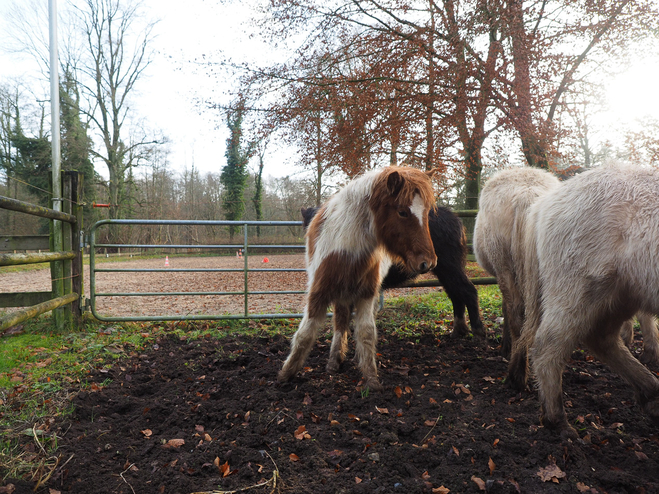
{"points": [[166, 261]]}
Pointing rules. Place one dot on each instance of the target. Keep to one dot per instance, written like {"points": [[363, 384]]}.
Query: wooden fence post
{"points": [[71, 191]]}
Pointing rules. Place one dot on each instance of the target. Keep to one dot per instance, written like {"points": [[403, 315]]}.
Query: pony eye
{"points": [[403, 213]]}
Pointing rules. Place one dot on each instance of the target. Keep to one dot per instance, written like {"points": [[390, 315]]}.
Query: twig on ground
{"points": [[273, 480], [431, 429], [43, 479], [124, 479]]}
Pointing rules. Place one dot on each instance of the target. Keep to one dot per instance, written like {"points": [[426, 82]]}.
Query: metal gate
{"points": [[247, 249]]}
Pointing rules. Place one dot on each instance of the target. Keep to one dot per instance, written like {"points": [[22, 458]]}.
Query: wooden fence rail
{"points": [[66, 265]]}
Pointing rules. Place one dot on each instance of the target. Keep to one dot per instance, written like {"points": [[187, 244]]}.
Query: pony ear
{"points": [[395, 183], [430, 173]]}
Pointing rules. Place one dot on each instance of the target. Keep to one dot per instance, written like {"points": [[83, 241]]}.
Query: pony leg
{"points": [[648, 323], [518, 367], [301, 344], [365, 342], [463, 294], [610, 349], [460, 328], [474, 310], [513, 305], [339, 347], [554, 341], [627, 332]]}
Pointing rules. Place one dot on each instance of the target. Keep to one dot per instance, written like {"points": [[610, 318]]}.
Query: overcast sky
{"points": [[169, 97]]}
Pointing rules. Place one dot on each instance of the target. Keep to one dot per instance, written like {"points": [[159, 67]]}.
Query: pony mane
{"points": [[415, 182]]}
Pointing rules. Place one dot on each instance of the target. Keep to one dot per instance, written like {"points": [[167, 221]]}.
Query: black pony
{"points": [[450, 242]]}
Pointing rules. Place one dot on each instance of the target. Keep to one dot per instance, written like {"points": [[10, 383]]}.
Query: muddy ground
{"points": [[208, 415]]}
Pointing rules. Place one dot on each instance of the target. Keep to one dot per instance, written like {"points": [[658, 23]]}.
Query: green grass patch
{"points": [[414, 315]]}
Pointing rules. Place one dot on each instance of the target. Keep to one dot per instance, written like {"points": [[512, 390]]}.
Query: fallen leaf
{"points": [[455, 450], [147, 432], [425, 475], [301, 433], [641, 456], [491, 465], [511, 420], [441, 490], [174, 443], [358, 480], [334, 453], [383, 411], [7, 489], [430, 423], [51, 491], [199, 428], [225, 470], [552, 472], [307, 400], [207, 438], [398, 391], [432, 401], [496, 442], [581, 487], [294, 457], [479, 482]]}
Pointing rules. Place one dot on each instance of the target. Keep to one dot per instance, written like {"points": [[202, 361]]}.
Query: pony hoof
{"points": [[373, 385], [333, 367], [649, 358], [569, 433], [516, 381], [460, 330], [284, 376], [479, 331], [651, 408], [562, 427]]}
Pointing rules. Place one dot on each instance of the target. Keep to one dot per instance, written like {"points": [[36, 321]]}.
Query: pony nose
{"points": [[425, 266]]}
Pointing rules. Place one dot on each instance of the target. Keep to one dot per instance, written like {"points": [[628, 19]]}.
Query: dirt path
{"points": [[172, 281]]}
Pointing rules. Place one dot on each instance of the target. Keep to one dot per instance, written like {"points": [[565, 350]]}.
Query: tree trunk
{"points": [[534, 146]]}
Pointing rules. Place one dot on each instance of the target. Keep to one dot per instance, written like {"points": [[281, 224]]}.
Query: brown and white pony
{"points": [[376, 219]]}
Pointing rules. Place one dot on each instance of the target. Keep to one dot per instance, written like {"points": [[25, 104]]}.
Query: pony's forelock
{"points": [[414, 182]]}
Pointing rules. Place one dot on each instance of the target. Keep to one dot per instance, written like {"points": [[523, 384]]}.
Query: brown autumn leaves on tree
{"points": [[427, 83]]}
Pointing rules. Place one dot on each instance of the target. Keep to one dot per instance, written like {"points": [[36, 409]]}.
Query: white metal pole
{"points": [[54, 105], [57, 268]]}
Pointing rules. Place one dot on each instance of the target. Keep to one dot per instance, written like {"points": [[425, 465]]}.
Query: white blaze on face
{"points": [[417, 208]]}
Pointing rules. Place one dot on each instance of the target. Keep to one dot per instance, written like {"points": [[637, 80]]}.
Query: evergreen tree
{"points": [[234, 174], [76, 144]]}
